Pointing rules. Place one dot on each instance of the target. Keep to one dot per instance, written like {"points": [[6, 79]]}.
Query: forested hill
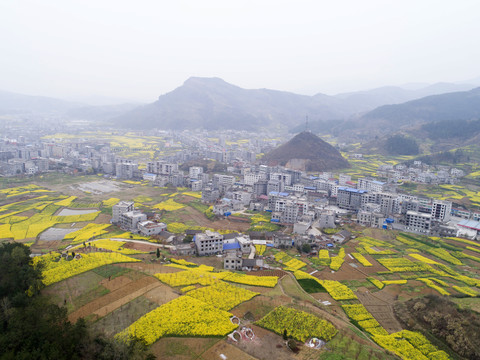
{"points": [[463, 105], [309, 152]]}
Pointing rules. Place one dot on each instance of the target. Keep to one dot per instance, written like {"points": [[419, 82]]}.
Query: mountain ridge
{"points": [[212, 103]]}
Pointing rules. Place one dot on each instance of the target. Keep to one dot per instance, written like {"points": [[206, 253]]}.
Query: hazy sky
{"points": [[142, 49]]}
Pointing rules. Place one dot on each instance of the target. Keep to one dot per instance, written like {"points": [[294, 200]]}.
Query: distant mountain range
{"points": [[462, 105], [12, 103], [212, 103]]}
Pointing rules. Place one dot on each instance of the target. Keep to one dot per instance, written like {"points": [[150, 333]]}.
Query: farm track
{"points": [[115, 299], [381, 309]]}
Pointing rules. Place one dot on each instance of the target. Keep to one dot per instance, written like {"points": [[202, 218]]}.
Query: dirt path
{"points": [[107, 303]]}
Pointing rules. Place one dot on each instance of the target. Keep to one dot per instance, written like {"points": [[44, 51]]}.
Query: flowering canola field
{"points": [[62, 269], [184, 316], [298, 324], [222, 295], [115, 246]]}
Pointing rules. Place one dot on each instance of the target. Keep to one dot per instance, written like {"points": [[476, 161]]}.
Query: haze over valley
{"points": [[252, 180]]}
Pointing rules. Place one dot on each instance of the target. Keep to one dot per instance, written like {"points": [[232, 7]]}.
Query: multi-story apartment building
{"points": [[418, 222], [194, 172], [120, 208], [130, 219], [162, 168], [252, 178], [223, 182], [441, 210], [125, 169], [371, 185], [208, 243], [349, 199]]}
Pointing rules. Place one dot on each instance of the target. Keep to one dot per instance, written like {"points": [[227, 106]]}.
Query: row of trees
{"points": [[31, 327]]}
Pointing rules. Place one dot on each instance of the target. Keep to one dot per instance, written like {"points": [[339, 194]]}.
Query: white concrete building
{"points": [[130, 219], [209, 243], [148, 228], [441, 210], [194, 172], [418, 222], [120, 208]]}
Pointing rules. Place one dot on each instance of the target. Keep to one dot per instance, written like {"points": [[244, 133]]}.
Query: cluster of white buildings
{"points": [[421, 173], [125, 216]]}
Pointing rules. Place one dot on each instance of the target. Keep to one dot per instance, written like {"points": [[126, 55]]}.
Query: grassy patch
{"points": [[111, 271], [343, 347], [197, 205], [294, 290], [311, 286]]}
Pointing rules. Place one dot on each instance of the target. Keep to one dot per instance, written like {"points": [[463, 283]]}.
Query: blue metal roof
{"points": [[358, 191], [472, 224], [310, 188], [231, 246]]}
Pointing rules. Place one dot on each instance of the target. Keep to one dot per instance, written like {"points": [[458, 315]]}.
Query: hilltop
{"points": [[212, 103], [306, 151]]}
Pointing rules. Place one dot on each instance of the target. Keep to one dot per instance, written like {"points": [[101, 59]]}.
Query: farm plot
{"points": [[183, 316], [123, 316], [299, 324], [100, 307], [185, 348], [379, 305], [57, 269]]}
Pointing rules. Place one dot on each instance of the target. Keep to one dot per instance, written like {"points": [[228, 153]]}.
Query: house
{"points": [[282, 241], [301, 227], [341, 236], [232, 261], [148, 228], [185, 249]]}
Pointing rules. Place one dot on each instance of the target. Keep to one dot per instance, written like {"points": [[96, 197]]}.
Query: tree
{"points": [[31, 327], [306, 248], [158, 253], [17, 274], [401, 145]]}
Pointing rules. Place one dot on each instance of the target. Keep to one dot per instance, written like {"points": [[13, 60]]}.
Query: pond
{"points": [[67, 212]]}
